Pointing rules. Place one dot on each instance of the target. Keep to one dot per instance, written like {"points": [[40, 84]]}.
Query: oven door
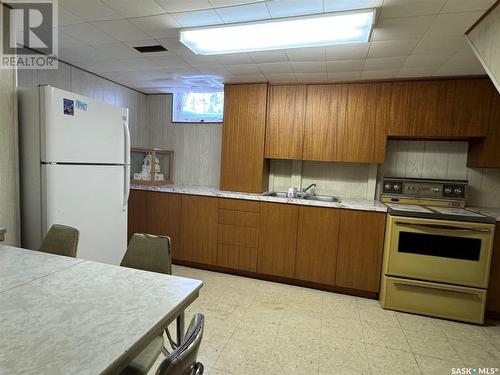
{"points": [[445, 251]]}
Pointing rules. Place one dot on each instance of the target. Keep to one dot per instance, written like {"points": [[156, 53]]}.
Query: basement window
{"points": [[198, 107]]}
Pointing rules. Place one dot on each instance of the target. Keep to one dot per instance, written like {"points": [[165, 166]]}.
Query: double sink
{"points": [[307, 197]]}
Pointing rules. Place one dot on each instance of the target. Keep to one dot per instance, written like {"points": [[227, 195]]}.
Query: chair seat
{"points": [[146, 359]]}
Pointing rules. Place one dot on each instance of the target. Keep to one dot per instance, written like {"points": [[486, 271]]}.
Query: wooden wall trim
{"points": [[485, 14]]}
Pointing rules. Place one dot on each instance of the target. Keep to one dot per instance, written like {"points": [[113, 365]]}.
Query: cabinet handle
{"points": [[440, 287], [443, 227]]}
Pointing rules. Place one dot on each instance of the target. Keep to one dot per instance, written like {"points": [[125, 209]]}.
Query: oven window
{"points": [[440, 246]]}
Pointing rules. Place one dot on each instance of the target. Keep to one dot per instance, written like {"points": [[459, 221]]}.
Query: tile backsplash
{"points": [[421, 159]]}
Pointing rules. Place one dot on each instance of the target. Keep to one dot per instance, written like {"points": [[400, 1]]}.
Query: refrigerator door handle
{"points": [[126, 191], [127, 142]]}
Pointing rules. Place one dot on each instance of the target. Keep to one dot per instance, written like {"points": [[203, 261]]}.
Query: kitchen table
{"points": [[62, 315], [2, 234]]}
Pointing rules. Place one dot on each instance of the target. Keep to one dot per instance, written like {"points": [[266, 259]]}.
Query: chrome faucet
{"points": [[307, 188]]}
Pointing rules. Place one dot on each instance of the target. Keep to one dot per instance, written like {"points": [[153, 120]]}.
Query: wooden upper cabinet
{"points": [[361, 244], [243, 135], [277, 239], [199, 218], [317, 244], [440, 108], [364, 135], [324, 122], [285, 122]]}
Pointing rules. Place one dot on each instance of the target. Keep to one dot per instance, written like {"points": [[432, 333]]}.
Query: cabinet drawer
{"points": [[240, 236], [237, 257], [239, 205], [239, 218], [444, 301]]}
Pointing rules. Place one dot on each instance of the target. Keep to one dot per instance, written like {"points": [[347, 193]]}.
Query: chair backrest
{"points": [[149, 253], [61, 240], [182, 361]]}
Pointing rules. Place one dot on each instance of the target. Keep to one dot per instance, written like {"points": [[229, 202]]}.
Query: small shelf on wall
{"points": [[151, 166]]}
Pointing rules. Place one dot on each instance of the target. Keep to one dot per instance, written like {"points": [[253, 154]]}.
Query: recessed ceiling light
{"points": [[312, 31]]}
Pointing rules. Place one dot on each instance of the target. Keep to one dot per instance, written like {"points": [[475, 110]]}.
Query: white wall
{"points": [[196, 147], [70, 78], [9, 164], [447, 160]]}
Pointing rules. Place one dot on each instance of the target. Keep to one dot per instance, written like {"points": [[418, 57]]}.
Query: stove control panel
{"points": [[419, 188]]}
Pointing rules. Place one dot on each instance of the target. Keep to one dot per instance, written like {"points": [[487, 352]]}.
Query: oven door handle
{"points": [[443, 227], [440, 287]]}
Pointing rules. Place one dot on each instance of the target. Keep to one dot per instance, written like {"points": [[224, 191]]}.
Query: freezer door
{"points": [[76, 129], [90, 198]]}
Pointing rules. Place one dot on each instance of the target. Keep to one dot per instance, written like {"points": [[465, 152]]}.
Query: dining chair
{"points": [[61, 240], [148, 253], [182, 361]]}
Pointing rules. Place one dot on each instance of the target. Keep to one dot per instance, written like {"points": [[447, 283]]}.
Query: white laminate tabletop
{"points": [[82, 318]]}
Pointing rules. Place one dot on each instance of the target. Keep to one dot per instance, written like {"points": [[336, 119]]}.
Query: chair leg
{"points": [[180, 328]]}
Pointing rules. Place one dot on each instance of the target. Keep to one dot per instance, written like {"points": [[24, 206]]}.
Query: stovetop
{"points": [[443, 213]]}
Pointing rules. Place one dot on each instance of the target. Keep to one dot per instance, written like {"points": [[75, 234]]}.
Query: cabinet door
{"points": [[365, 134], [138, 215], [164, 215], [361, 243], [317, 244], [324, 123], [199, 217], [243, 135], [285, 122], [277, 239]]}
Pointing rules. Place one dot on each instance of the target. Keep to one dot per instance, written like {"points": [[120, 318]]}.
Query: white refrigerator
{"points": [[75, 170]]}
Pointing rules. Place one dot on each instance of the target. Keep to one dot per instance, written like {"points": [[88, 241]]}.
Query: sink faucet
{"points": [[307, 188]]}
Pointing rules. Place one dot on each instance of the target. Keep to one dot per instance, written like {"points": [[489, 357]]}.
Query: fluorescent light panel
{"points": [[312, 31]]}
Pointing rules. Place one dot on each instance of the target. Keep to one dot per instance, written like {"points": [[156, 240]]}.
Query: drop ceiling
{"points": [[411, 38]]}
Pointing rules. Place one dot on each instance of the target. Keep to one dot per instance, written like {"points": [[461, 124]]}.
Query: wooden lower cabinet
{"points": [[277, 239], [317, 244], [361, 245], [198, 223], [155, 213], [493, 297]]}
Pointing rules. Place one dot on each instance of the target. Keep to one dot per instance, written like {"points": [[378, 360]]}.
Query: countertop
{"points": [[352, 204]]}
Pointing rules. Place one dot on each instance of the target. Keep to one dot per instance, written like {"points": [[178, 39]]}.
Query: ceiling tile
{"points": [[67, 18], [452, 24], [385, 63], [228, 3], [243, 69], [275, 68], [306, 54], [234, 58], [173, 45], [402, 28], [466, 62], [246, 78], [89, 10], [160, 26], [347, 52], [243, 13], [197, 18], [466, 5], [379, 74], [417, 72], [344, 76], [440, 45], [289, 8], [88, 34], [426, 61], [115, 51], [121, 30], [281, 77], [173, 6], [410, 8], [311, 77], [131, 65], [134, 8], [390, 48], [169, 61], [216, 69], [195, 60], [269, 56], [67, 41], [335, 5], [309, 67], [345, 66], [98, 66], [76, 54]]}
